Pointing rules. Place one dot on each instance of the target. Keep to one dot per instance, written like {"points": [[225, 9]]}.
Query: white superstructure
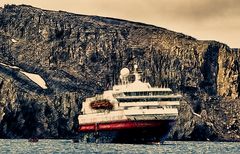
{"points": [[135, 100]]}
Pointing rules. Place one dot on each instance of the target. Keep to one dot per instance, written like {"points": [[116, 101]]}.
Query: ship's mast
{"points": [[136, 74]]}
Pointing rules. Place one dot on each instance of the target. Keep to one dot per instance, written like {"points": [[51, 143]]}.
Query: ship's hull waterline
{"points": [[126, 131]]}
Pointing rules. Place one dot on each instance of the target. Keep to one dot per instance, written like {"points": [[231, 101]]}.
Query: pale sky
{"points": [[203, 19]]}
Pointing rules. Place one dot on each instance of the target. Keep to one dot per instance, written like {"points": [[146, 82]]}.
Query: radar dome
{"points": [[125, 72]]}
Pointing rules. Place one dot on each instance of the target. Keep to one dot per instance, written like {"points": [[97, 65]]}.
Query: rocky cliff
{"points": [[78, 56]]}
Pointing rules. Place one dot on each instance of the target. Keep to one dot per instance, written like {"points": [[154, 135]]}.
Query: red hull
{"points": [[126, 131], [123, 125]]}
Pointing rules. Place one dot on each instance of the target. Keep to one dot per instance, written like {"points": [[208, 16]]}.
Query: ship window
{"points": [[146, 99], [155, 93], [148, 93]]}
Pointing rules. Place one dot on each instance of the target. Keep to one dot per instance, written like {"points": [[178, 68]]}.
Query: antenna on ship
{"points": [[136, 74]]}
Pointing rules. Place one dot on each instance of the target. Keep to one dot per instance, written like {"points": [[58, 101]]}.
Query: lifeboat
{"points": [[103, 104]]}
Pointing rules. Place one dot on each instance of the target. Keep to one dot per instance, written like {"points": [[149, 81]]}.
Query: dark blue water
{"points": [[66, 146]]}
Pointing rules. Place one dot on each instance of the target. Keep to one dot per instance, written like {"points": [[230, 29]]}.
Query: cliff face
{"points": [[79, 56]]}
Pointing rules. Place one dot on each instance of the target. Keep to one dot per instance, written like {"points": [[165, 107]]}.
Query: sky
{"points": [[203, 19]]}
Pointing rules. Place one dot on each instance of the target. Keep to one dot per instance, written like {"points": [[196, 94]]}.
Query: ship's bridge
{"points": [[136, 85]]}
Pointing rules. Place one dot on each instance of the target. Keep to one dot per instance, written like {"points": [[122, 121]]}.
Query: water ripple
{"points": [[66, 146]]}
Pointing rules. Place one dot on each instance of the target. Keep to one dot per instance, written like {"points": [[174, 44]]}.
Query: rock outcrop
{"points": [[80, 55]]}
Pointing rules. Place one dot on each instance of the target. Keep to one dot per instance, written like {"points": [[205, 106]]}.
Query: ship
{"points": [[131, 112]]}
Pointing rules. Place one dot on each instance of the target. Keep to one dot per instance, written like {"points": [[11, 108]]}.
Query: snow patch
{"points": [[36, 78], [3, 64], [198, 115], [194, 113], [14, 67], [13, 40]]}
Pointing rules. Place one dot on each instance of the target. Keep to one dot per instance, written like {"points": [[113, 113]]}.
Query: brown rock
{"points": [[79, 56]]}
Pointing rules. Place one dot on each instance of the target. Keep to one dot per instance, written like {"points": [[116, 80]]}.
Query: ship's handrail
{"points": [[156, 111], [145, 100], [152, 96], [126, 114], [141, 104]]}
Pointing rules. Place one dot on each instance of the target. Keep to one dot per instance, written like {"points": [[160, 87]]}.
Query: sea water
{"points": [[67, 146]]}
